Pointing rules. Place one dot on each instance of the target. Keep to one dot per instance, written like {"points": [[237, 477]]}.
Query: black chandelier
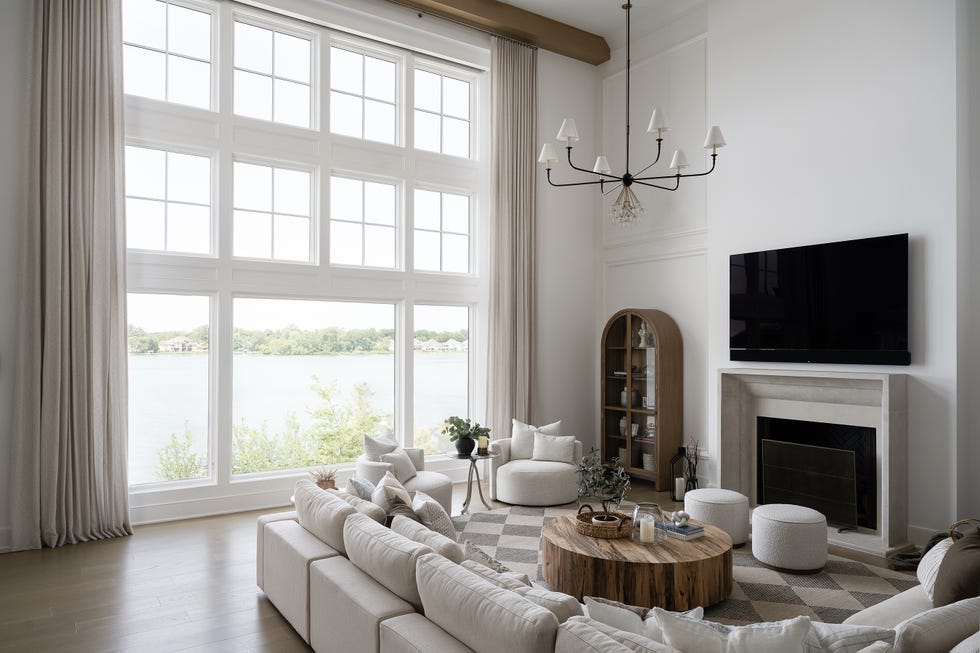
{"points": [[626, 210]]}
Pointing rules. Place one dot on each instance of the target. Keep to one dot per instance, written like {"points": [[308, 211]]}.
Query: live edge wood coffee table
{"points": [[675, 575]]}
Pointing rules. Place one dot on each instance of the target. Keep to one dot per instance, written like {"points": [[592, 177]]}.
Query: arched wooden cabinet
{"points": [[642, 392]]}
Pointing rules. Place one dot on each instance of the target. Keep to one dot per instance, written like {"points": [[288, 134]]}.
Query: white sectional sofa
{"points": [[347, 583]]}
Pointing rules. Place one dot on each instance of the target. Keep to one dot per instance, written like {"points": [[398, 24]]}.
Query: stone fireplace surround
{"points": [[877, 401]]}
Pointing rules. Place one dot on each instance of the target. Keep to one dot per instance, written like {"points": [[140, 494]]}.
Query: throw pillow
{"points": [[401, 464], [928, 567], [374, 448], [522, 438], [631, 618], [419, 533], [959, 572], [844, 638], [707, 637], [360, 487], [397, 505], [380, 496], [431, 513], [939, 629], [476, 554], [561, 605], [360, 505], [509, 580], [632, 641], [880, 647], [559, 448], [969, 645]]}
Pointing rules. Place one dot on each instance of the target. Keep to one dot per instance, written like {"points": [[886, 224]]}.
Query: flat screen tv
{"points": [[843, 302]]}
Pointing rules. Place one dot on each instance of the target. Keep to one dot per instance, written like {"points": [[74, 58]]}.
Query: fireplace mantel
{"points": [[878, 401]]}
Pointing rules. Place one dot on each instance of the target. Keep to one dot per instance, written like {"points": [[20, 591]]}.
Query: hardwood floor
{"points": [[178, 586]]}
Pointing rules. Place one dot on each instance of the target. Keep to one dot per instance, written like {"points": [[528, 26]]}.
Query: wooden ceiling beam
{"points": [[518, 24]]}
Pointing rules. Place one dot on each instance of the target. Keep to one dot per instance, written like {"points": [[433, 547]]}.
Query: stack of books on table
{"points": [[686, 532]]}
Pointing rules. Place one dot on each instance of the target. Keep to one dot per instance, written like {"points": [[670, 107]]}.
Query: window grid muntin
{"points": [[441, 231], [444, 74], [272, 213], [363, 222], [363, 96], [212, 18]]}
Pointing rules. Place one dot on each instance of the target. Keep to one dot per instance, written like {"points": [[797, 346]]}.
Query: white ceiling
{"points": [[602, 17]]}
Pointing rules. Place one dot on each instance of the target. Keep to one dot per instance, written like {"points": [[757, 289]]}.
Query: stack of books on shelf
{"points": [[686, 532]]}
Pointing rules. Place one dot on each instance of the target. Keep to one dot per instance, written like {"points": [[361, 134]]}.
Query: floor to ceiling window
{"points": [[306, 221]]}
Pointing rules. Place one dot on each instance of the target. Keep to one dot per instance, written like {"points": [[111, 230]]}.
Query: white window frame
{"points": [[440, 68], [378, 52], [471, 201], [222, 277]]}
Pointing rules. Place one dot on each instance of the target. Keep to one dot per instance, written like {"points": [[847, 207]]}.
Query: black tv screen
{"points": [[843, 302]]}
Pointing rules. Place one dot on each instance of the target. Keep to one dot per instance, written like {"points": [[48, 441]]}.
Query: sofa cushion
{"points": [[559, 448], [509, 580], [374, 448], [360, 505], [632, 641], [483, 617], [707, 637], [431, 513], [844, 638], [939, 629], [631, 618], [563, 606], [928, 568], [969, 645], [387, 557], [361, 487], [401, 464], [322, 514], [413, 633], [959, 572], [576, 636], [893, 610], [522, 438], [381, 492], [417, 532]]}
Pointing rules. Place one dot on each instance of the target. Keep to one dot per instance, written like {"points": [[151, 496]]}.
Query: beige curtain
{"points": [[68, 460], [510, 369]]}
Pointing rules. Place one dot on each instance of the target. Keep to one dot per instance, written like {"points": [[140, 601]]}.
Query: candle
{"points": [[679, 487], [648, 533], [481, 443]]}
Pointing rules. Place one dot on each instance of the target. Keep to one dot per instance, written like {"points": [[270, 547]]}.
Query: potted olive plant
{"points": [[464, 434], [607, 482]]}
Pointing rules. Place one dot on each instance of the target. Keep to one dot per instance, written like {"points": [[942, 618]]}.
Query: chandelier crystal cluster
{"points": [[627, 210]]}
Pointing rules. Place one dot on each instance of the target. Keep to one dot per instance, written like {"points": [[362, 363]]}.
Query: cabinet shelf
{"points": [[654, 372]]}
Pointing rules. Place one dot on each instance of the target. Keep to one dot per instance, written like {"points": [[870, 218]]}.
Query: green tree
{"points": [[339, 426], [254, 449], [177, 459], [143, 344]]}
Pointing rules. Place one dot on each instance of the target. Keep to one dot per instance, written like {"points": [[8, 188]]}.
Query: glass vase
{"points": [[645, 518]]}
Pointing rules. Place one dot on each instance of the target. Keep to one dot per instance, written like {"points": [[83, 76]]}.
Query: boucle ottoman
{"points": [[789, 537], [726, 509]]}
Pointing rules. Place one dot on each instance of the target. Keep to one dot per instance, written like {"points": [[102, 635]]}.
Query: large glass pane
{"points": [[427, 209], [428, 91], [292, 191], [145, 172], [379, 203], [346, 71], [189, 82], [455, 253], [292, 103], [188, 228], [310, 378], [455, 213], [379, 246], [379, 121], [441, 372], [144, 72], [145, 224], [455, 137], [345, 243], [345, 114], [253, 48], [379, 79], [143, 22], [292, 238], [168, 338], [252, 234], [427, 251], [346, 199], [188, 178], [292, 58], [189, 32], [253, 95], [253, 187], [455, 98], [427, 130]]}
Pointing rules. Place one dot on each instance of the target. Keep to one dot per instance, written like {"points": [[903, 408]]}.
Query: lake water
{"points": [[165, 390]]}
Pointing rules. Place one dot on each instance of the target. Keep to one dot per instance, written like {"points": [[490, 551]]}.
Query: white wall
{"points": [[14, 44], [840, 119], [567, 343]]}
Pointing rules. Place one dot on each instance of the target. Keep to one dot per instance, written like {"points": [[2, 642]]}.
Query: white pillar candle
{"points": [[679, 487], [648, 533], [482, 442]]}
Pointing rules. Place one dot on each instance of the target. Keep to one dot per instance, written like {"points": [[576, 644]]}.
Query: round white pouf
{"points": [[726, 509], [788, 536]]}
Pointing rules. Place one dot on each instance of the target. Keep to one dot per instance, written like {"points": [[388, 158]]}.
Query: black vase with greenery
{"points": [[464, 434]]}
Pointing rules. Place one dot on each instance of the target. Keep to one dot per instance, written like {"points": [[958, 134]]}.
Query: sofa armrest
{"points": [[417, 456], [371, 470], [578, 453], [501, 447]]}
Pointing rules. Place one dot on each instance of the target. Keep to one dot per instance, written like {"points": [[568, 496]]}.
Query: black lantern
{"points": [[677, 464]]}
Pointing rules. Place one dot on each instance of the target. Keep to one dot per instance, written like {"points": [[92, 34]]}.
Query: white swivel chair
{"points": [[436, 485], [527, 482]]}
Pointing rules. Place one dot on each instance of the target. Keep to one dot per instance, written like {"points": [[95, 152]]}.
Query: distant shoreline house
{"points": [[180, 344], [433, 345]]}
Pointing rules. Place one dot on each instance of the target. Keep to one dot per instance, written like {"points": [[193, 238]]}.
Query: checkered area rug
{"points": [[843, 587]]}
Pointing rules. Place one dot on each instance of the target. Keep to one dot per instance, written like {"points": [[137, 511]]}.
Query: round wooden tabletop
{"points": [[675, 575]]}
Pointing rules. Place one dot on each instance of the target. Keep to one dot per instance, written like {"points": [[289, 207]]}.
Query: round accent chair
{"points": [[529, 482], [789, 537], [726, 509]]}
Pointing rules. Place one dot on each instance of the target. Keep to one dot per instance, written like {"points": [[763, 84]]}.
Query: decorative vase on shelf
{"points": [[464, 446], [622, 426]]}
